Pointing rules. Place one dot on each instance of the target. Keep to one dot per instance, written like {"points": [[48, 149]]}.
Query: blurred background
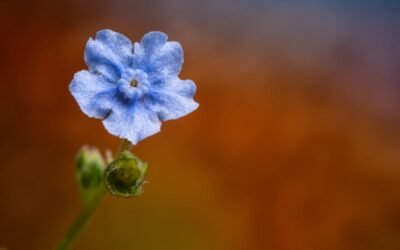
{"points": [[295, 146]]}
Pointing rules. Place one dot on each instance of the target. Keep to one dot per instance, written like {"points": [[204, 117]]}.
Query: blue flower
{"points": [[133, 88]]}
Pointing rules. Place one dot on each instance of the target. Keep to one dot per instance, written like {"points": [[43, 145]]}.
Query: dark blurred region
{"points": [[295, 144]]}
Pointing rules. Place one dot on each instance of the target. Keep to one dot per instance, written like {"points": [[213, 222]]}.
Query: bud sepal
{"points": [[125, 176], [90, 167]]}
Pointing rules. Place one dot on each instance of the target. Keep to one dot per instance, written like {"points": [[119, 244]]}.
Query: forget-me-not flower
{"points": [[133, 88]]}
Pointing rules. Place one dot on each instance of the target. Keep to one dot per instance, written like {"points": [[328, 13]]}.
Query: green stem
{"points": [[83, 219], [124, 145]]}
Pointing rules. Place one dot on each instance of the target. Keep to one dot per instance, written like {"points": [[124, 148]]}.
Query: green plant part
{"points": [[125, 176], [89, 172]]}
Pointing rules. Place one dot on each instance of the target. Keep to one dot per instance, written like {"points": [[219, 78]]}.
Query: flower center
{"points": [[134, 83]]}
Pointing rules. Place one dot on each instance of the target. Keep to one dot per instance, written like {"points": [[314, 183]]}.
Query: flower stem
{"points": [[84, 217], [124, 145], [82, 220]]}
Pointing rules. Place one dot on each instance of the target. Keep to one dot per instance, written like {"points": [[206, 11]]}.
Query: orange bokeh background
{"points": [[295, 146]]}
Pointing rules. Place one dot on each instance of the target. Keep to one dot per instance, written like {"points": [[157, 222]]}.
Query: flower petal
{"points": [[108, 54], [172, 98], [134, 122], [93, 93], [155, 55]]}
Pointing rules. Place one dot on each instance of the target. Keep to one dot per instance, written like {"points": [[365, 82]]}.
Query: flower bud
{"points": [[89, 172], [124, 176]]}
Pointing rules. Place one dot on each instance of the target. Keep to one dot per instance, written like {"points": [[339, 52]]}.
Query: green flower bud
{"points": [[89, 172], [125, 176]]}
